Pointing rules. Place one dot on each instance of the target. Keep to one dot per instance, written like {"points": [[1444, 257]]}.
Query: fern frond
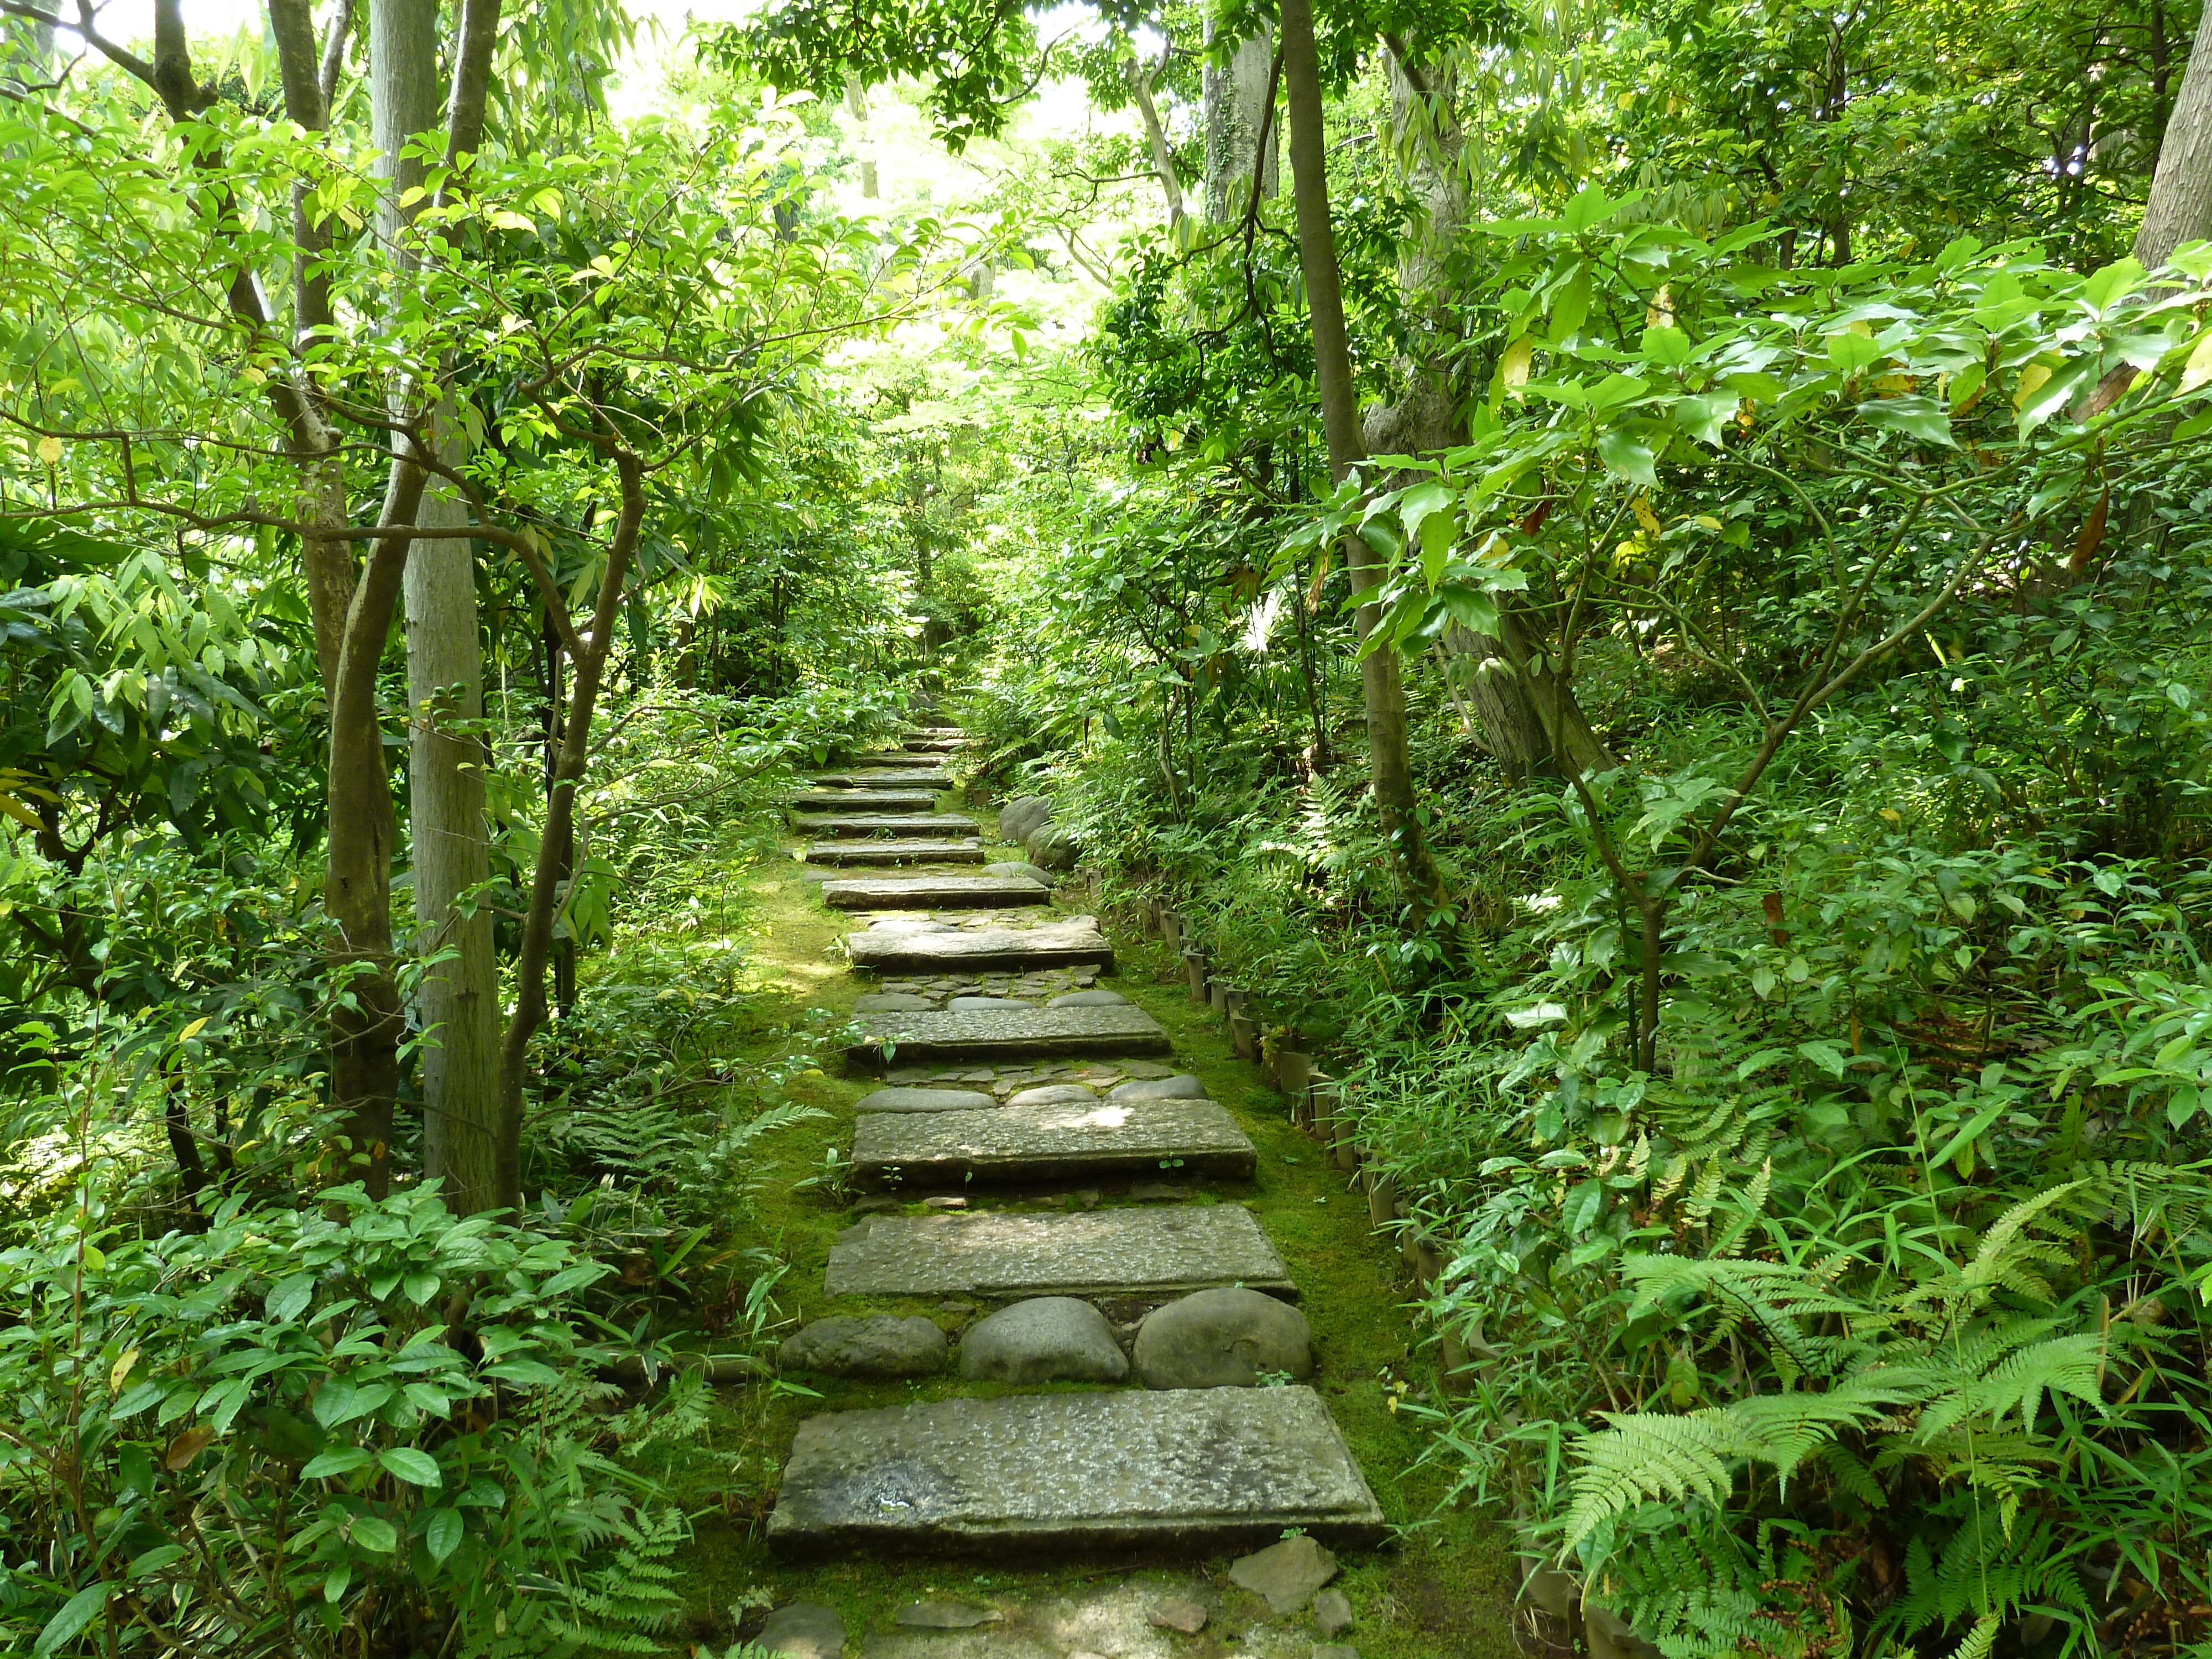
{"points": [[1644, 1456]]}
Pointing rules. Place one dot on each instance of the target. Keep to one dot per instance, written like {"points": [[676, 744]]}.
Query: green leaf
{"points": [[1591, 208], [2114, 282], [442, 1533], [1570, 306], [1706, 415], [1918, 417], [1628, 455], [153, 1560], [339, 1460], [1585, 1204], [416, 1467], [1826, 1055], [76, 1613], [1438, 531], [374, 1533], [1667, 346], [288, 1298]]}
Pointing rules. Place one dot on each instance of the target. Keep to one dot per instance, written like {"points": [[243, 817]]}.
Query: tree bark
{"points": [[457, 998], [1235, 104], [2180, 206], [1155, 137], [1385, 694]]}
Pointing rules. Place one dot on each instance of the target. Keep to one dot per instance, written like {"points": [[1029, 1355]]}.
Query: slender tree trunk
{"points": [[548, 882], [458, 999], [1235, 101], [1140, 89], [1385, 693], [2180, 206]]}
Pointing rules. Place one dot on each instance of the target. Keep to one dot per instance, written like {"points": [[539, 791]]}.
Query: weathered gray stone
{"points": [[931, 892], [1335, 1650], [984, 1004], [1018, 816], [1182, 1087], [1052, 847], [1055, 1094], [875, 1345], [887, 777], [1047, 1339], [945, 1615], [1089, 999], [846, 854], [899, 802], [1178, 1613], [803, 1630], [1610, 1637], [1332, 1612], [1042, 1143], [925, 1100], [981, 949], [1287, 1574], [1073, 1472], [1102, 1252], [890, 1002], [1008, 1033], [1222, 1338], [1019, 867], [910, 825], [895, 757]]}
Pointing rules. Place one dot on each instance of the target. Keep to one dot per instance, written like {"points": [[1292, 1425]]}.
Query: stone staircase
{"points": [[1013, 1079]]}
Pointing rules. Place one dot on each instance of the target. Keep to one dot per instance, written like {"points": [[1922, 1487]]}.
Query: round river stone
{"points": [[1047, 1338], [1223, 1339]]}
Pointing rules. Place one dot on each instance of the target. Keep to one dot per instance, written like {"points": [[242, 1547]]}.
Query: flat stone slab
{"points": [[981, 950], [890, 823], [1201, 1470], [1191, 1247], [932, 893], [993, 1033], [904, 802], [893, 852], [897, 758], [885, 777], [1071, 1137]]}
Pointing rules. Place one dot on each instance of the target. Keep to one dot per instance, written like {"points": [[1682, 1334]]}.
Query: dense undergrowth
{"points": [[256, 1410]]}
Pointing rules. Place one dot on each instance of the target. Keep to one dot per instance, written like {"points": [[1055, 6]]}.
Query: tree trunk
{"points": [[1385, 693], [2180, 206], [458, 999], [1235, 101], [1140, 90]]}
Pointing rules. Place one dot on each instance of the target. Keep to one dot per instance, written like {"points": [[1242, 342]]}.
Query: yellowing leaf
{"points": [[1642, 507], [2198, 369], [50, 451], [1513, 366], [2031, 379], [1891, 814], [191, 1031], [121, 1370], [507, 219]]}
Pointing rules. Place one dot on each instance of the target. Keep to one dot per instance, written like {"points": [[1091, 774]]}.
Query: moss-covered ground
{"points": [[1444, 1589]]}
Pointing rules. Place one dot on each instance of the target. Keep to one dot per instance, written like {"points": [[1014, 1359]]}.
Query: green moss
{"points": [[1443, 1591]]}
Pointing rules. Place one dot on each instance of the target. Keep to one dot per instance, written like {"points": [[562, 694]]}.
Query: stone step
{"points": [[933, 893], [850, 852], [884, 777], [933, 746], [891, 824], [897, 758], [1050, 1143], [935, 949], [904, 802], [1195, 1470], [991, 1034], [1007, 1255]]}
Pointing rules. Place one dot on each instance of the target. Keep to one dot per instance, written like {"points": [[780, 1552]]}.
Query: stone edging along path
{"points": [[1168, 1425]]}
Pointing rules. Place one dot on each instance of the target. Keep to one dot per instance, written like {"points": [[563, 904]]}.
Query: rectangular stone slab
{"points": [[897, 758], [894, 852], [990, 1033], [981, 949], [1196, 1470], [1044, 1143], [905, 803], [894, 823], [933, 893], [884, 777], [1004, 1255]]}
